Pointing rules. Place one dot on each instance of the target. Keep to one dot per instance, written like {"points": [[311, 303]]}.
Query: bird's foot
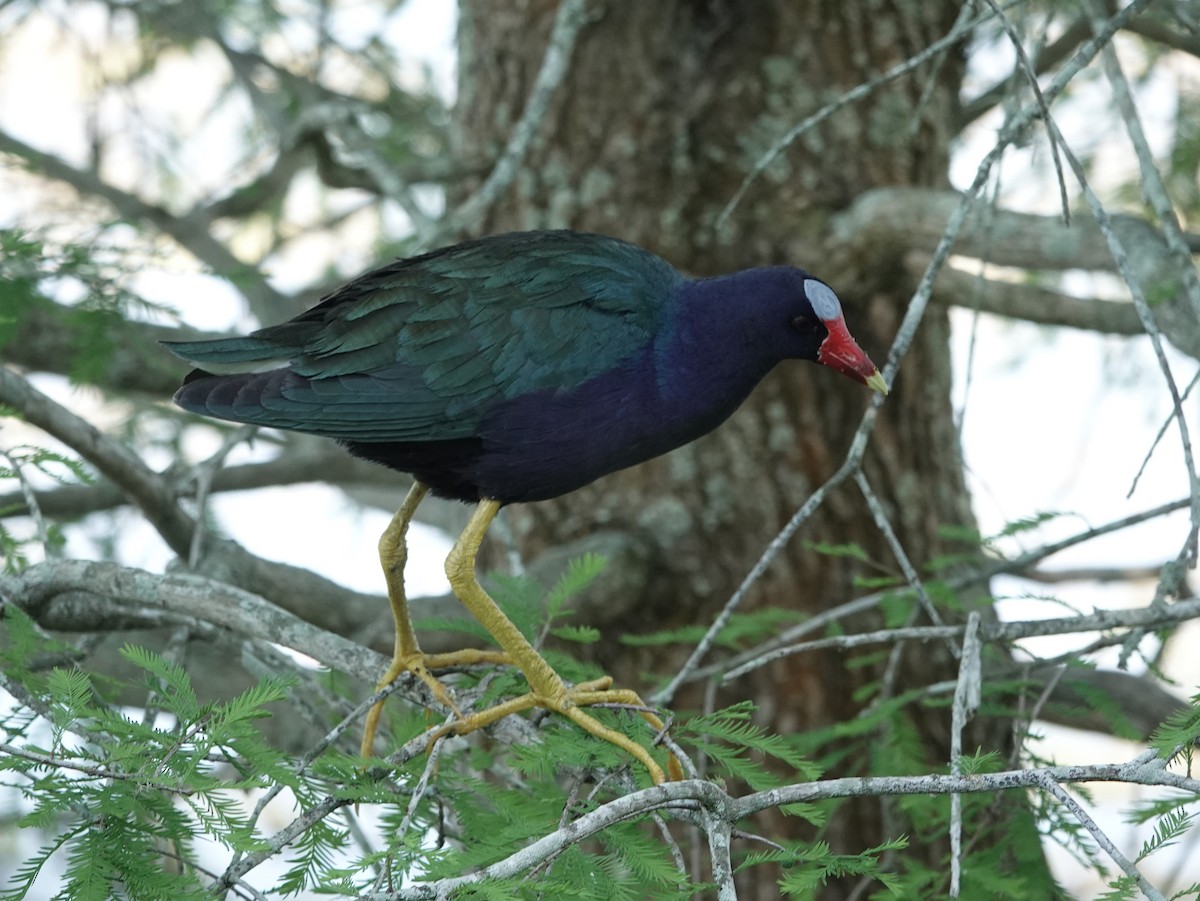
{"points": [[568, 701], [422, 666]]}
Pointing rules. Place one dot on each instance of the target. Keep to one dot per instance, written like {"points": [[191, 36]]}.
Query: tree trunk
{"points": [[666, 107]]}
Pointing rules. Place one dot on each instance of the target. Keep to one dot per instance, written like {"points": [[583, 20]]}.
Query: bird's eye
{"points": [[806, 325]]}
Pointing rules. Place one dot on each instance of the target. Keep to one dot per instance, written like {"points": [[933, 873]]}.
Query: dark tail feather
{"points": [[237, 398], [191, 377]]}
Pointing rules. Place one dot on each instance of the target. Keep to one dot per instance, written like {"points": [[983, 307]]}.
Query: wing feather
{"points": [[423, 348]]}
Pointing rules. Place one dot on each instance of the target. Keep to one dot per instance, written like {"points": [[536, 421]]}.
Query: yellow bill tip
{"points": [[875, 382]]}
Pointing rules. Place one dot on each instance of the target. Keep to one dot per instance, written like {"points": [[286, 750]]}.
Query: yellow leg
{"points": [[407, 655], [547, 689]]}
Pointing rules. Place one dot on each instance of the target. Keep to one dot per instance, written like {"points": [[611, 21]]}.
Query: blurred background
{"points": [[184, 169]]}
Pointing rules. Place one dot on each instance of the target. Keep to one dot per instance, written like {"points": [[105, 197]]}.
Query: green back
{"points": [[420, 349]]}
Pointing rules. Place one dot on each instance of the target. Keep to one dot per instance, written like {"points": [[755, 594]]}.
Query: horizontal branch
{"points": [[1094, 574], [1155, 616], [725, 810], [75, 595], [978, 575], [1031, 303], [1160, 33], [897, 222], [915, 218], [299, 462], [1147, 769], [304, 593]]}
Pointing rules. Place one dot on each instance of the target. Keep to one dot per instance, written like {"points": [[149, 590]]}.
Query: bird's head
{"points": [[829, 343]]}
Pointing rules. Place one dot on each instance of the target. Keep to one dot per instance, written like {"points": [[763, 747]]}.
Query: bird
{"points": [[510, 369]]}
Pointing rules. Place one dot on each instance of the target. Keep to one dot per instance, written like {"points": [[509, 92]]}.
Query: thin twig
{"points": [[59, 762], [422, 786], [669, 840], [960, 30], [50, 549], [1155, 193], [1048, 784], [1124, 266], [1026, 67], [1018, 564], [1142, 618], [717, 830], [664, 696], [885, 527], [966, 701], [572, 15], [204, 473], [1162, 430], [1071, 37]]}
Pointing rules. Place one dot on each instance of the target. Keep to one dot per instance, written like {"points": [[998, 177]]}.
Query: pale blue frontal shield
{"points": [[824, 302]]}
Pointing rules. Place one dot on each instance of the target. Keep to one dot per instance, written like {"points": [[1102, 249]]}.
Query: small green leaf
{"points": [[580, 634], [852, 550]]}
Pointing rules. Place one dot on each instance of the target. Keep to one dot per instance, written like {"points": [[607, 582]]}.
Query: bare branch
{"points": [[1147, 769], [1032, 303], [910, 572], [1154, 616], [117, 462], [966, 701], [718, 832], [1093, 574], [81, 594], [899, 219], [1156, 31], [300, 461]]}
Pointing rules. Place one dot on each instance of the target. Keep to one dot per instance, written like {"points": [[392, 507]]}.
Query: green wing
{"points": [[423, 348]]}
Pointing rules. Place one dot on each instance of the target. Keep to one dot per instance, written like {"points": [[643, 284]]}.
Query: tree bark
{"points": [[666, 107]]}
